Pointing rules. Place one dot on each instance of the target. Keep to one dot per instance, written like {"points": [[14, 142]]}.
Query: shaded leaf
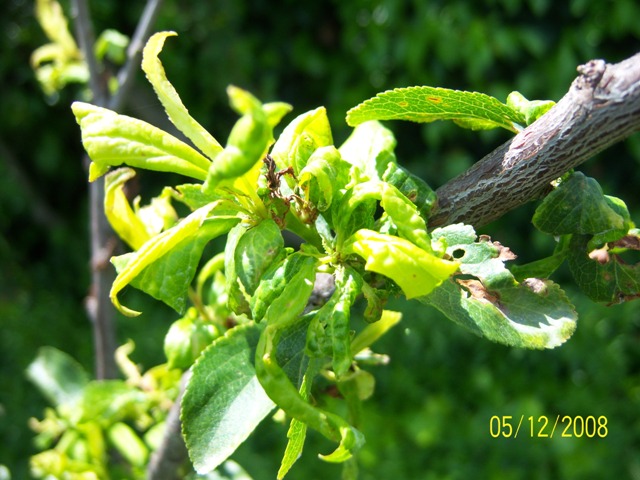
{"points": [[578, 205], [223, 402], [606, 278]]}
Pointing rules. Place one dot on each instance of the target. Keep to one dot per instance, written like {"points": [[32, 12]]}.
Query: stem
{"points": [[601, 108], [102, 241], [126, 74]]}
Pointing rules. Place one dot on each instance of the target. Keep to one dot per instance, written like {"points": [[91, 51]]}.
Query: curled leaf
{"points": [[489, 301], [416, 271], [177, 112], [158, 282], [112, 139]]}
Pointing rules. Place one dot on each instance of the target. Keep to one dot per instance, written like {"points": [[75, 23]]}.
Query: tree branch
{"points": [[134, 52], [103, 240], [601, 108]]}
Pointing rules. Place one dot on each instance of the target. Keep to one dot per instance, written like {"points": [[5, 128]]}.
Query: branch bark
{"points": [[601, 108]]}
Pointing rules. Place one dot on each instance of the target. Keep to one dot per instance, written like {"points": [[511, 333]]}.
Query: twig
{"points": [[602, 107], [98, 306], [167, 460], [127, 72]]}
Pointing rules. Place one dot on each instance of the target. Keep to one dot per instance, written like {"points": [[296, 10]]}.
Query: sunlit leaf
{"points": [[178, 113], [112, 139], [489, 301], [169, 278], [416, 271], [473, 110]]}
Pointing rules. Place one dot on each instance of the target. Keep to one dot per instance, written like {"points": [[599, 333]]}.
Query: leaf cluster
{"points": [[362, 220]]}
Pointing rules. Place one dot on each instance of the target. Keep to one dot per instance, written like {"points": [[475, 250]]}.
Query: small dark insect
{"points": [[273, 177], [306, 212]]}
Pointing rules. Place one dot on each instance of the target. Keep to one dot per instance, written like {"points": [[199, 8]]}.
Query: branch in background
{"points": [[167, 460], [601, 108], [134, 52], [103, 240]]}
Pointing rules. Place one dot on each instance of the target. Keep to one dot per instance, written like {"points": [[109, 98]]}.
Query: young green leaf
{"points": [[295, 274], [416, 271], [401, 210], [111, 139], [322, 178], [188, 238], [301, 138], [490, 302], [531, 110], [248, 141], [473, 110], [370, 149], [118, 211], [412, 187], [578, 205], [280, 389], [177, 112], [223, 402]]}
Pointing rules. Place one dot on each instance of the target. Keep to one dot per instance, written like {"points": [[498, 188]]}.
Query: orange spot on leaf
{"points": [[435, 99]]}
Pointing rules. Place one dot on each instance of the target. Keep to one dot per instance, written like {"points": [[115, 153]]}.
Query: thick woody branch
{"points": [[602, 107]]}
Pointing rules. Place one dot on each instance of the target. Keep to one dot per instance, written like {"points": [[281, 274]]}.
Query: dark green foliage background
{"points": [[430, 414]]}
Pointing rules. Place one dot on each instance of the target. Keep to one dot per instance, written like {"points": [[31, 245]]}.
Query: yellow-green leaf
{"points": [[112, 139], [178, 113], [416, 271]]}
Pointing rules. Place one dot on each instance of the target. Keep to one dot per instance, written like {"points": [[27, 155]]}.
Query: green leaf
{"points": [[121, 216], [59, 377], [177, 112], [603, 274], [324, 175], [372, 332], [112, 45], [111, 139], [301, 138], [490, 302], [531, 110], [370, 149], [223, 402], [248, 141], [473, 110], [404, 214], [112, 401], [295, 276], [186, 339], [167, 277], [412, 187], [416, 271], [280, 389], [256, 250], [578, 205], [330, 325], [297, 429]]}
